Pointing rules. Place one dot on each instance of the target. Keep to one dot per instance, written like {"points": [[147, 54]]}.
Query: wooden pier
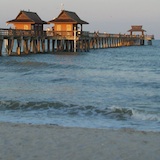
{"points": [[66, 35], [19, 42]]}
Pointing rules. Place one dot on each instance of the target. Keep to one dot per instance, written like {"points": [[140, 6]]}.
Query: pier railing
{"points": [[17, 32], [104, 35], [33, 33], [62, 34], [149, 37]]}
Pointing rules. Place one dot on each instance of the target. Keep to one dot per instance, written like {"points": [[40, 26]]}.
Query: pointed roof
{"points": [[27, 17], [136, 29], [68, 16]]}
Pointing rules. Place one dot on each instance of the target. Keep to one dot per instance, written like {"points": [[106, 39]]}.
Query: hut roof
{"points": [[68, 16], [136, 29], [27, 17]]}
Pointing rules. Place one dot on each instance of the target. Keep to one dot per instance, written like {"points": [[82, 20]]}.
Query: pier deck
{"points": [[29, 41]]}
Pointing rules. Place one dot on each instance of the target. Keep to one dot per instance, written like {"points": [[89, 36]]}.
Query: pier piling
{"points": [[1, 45]]}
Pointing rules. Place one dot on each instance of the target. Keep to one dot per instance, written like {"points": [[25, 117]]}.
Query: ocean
{"points": [[111, 88]]}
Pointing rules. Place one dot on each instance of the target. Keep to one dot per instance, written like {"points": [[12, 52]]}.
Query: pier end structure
{"points": [[139, 29]]}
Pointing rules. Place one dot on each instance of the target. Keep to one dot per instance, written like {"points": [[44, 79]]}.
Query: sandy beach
{"points": [[49, 142]]}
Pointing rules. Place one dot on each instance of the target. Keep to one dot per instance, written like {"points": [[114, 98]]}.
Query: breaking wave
{"points": [[136, 114], [57, 108]]}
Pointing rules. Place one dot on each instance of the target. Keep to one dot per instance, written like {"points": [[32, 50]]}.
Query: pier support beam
{"points": [[10, 46], [25, 46], [38, 45], [142, 42], [53, 45], [71, 46], [18, 51], [34, 46], [48, 45], [1, 46], [149, 42], [75, 39], [58, 45], [43, 45]]}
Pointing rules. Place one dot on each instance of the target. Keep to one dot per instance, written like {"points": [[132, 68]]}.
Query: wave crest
{"points": [[136, 114], [58, 108]]}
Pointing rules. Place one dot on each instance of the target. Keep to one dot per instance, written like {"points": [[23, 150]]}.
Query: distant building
{"points": [[67, 21], [27, 20], [136, 28]]}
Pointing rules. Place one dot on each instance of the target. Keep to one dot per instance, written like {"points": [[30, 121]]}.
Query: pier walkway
{"points": [[19, 42]]}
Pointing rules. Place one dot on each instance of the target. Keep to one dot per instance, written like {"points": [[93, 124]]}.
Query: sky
{"points": [[111, 16]]}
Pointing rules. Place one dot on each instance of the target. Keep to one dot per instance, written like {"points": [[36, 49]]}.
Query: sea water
{"points": [[104, 88]]}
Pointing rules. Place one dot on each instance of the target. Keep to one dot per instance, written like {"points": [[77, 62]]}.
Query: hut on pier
{"points": [[27, 20], [136, 28], [66, 22]]}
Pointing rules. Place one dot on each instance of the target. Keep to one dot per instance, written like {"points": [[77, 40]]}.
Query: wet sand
{"points": [[49, 142]]}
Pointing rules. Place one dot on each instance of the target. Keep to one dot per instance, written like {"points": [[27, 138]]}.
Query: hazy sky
{"points": [[112, 16]]}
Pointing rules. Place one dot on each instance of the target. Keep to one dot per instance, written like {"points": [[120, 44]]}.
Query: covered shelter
{"points": [[67, 21], [136, 28], [27, 20]]}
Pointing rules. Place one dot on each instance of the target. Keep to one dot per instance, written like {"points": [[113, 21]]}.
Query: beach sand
{"points": [[49, 142]]}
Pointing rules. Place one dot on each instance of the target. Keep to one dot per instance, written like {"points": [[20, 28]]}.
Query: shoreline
{"points": [[39, 142]]}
